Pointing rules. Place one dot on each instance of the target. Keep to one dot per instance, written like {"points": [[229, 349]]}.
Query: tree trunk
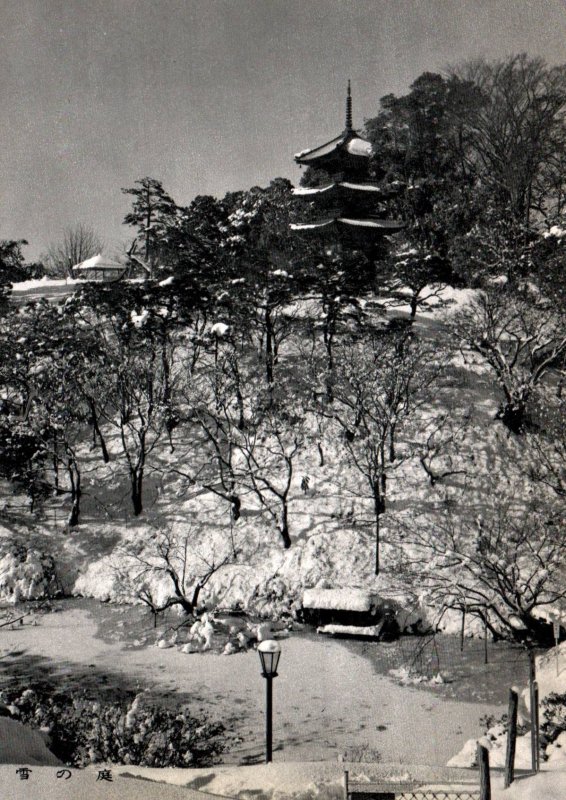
{"points": [[148, 223], [269, 352], [414, 305], [328, 343], [137, 488], [378, 509], [97, 432], [236, 505], [392, 454], [284, 525], [514, 416], [55, 463], [76, 492]]}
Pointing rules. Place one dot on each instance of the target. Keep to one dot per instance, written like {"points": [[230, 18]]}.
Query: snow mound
{"points": [[408, 677], [42, 283], [21, 745]]}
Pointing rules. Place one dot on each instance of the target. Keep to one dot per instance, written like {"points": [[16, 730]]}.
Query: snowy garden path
{"points": [[328, 700]]}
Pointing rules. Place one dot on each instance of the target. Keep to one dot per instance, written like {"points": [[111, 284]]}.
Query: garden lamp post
{"points": [[269, 652]]}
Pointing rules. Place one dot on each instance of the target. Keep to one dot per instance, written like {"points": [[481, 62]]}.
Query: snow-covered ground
{"points": [[329, 700], [331, 524], [551, 678]]}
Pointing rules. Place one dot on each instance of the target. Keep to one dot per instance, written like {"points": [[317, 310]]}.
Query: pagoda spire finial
{"points": [[349, 125]]}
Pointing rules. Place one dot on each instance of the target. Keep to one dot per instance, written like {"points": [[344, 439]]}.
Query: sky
{"points": [[211, 96]]}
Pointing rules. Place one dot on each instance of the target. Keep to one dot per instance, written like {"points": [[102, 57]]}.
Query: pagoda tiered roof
{"points": [[369, 223], [348, 148], [348, 206], [343, 188], [348, 144]]}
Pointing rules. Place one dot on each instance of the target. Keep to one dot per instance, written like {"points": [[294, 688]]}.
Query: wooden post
{"points": [[485, 782], [532, 666], [485, 638], [345, 784], [537, 729], [533, 703], [462, 629], [534, 732], [511, 738]]}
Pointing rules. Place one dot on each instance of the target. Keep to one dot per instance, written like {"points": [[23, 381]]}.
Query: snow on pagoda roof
{"points": [[322, 150], [371, 223], [359, 147], [354, 144], [98, 262], [305, 226], [301, 191], [382, 224]]}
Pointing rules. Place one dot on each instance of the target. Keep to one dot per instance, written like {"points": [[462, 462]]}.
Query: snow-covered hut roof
{"points": [[99, 262], [338, 599]]}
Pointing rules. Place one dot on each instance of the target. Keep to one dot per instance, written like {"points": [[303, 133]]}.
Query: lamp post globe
{"points": [[269, 653]]}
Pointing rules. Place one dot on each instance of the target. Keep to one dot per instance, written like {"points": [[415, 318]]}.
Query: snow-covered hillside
{"points": [[472, 461]]}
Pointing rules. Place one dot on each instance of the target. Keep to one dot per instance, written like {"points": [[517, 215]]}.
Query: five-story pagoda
{"points": [[347, 207]]}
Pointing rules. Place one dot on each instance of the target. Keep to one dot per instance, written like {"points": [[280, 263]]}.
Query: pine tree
{"points": [[153, 211]]}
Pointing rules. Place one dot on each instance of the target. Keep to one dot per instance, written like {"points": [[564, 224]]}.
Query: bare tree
{"points": [[213, 397], [78, 242], [381, 381], [504, 567], [521, 336], [439, 451], [139, 399], [549, 450], [174, 556], [270, 443]]}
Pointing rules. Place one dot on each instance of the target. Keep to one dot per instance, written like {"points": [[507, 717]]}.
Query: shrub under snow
{"points": [[83, 731], [26, 573]]}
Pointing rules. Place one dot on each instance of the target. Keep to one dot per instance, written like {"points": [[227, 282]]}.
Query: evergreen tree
{"points": [[153, 211]]}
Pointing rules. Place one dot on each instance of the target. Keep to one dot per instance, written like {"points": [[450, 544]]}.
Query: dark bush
{"points": [[83, 731], [554, 712]]}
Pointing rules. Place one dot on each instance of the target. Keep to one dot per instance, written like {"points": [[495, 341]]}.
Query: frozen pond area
{"points": [[331, 699]]}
